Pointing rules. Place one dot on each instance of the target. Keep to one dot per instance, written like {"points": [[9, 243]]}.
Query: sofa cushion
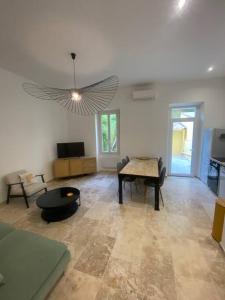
{"points": [[53, 278], [30, 189], [29, 262], [5, 229], [1, 279]]}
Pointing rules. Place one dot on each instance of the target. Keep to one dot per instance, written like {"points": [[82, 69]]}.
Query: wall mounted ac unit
{"points": [[143, 94]]}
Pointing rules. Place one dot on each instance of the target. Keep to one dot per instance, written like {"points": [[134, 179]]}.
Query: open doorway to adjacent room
{"points": [[182, 140]]}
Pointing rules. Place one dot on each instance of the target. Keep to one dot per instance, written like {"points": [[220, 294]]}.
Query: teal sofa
{"points": [[30, 264]]}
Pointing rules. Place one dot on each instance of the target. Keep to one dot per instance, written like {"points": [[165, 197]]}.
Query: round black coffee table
{"points": [[59, 204]]}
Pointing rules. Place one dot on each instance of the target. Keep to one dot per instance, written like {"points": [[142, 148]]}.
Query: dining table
{"points": [[146, 168]]}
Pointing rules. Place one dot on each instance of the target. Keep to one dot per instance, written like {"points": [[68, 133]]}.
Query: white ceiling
{"points": [[138, 40]]}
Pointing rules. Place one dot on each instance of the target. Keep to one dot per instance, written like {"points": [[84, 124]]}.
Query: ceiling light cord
{"points": [[74, 77], [73, 56]]}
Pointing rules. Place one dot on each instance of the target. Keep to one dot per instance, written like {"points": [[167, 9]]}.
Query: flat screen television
{"points": [[70, 149]]}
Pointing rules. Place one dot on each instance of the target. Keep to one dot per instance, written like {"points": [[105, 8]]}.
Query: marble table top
{"points": [[142, 167]]}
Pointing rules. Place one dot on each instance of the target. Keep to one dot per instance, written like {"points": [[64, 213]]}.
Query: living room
{"points": [[172, 52]]}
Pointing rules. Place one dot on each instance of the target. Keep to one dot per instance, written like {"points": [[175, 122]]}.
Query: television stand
{"points": [[73, 166]]}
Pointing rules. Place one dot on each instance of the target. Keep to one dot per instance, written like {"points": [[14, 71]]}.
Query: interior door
{"points": [[182, 141]]}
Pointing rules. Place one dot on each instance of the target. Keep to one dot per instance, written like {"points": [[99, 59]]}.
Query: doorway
{"points": [[182, 137]]}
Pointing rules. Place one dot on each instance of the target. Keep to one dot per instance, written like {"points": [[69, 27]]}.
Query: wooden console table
{"points": [[218, 221], [66, 167]]}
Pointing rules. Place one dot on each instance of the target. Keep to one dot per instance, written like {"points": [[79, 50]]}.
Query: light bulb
{"points": [[210, 69], [76, 96], [181, 4]]}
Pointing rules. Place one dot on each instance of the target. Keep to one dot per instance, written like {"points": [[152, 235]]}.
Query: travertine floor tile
{"points": [[189, 261], [95, 257], [196, 290], [80, 235], [76, 285], [108, 293], [131, 251], [156, 272], [128, 245], [99, 211], [122, 275]]}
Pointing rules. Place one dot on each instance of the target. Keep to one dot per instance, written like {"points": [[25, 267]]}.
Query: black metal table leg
{"points": [[156, 196], [120, 178]]}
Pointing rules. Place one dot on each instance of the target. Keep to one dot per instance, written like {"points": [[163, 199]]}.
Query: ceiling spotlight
{"points": [[181, 4], [210, 69]]}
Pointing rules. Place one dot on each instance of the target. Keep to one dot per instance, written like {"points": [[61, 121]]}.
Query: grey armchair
{"points": [[17, 188]]}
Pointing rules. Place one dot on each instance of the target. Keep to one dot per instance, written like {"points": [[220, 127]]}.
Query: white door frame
{"points": [[194, 140]]}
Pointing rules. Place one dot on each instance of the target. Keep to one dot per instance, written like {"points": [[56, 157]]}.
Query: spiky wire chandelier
{"points": [[88, 100]]}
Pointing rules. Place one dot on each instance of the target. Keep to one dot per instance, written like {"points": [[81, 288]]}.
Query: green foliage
{"points": [[113, 132], [105, 133], [109, 122]]}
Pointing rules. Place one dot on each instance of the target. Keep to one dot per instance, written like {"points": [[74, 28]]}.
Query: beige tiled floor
{"points": [[130, 251]]}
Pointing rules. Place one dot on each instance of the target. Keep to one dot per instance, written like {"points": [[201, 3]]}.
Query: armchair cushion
{"points": [[14, 177], [28, 178], [30, 189]]}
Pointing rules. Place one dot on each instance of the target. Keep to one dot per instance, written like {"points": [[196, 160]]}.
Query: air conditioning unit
{"points": [[143, 94]]}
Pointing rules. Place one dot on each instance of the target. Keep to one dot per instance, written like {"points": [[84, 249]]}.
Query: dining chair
{"points": [[129, 179], [151, 183], [127, 159], [119, 167], [160, 164], [124, 161]]}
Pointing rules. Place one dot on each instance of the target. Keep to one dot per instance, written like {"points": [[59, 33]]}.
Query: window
{"points": [[183, 112], [109, 132]]}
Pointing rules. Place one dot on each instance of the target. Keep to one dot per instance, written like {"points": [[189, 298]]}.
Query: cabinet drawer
{"points": [[76, 167], [72, 167], [61, 168], [89, 166]]}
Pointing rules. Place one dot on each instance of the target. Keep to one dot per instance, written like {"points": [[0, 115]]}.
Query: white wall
{"points": [[82, 129], [144, 124], [29, 130]]}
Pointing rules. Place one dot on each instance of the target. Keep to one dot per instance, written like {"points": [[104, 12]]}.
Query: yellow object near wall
{"points": [[218, 221], [178, 141]]}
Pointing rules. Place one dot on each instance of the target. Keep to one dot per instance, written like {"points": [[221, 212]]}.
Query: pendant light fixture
{"points": [[87, 100]]}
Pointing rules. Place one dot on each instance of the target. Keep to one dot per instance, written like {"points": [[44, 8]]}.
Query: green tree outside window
{"points": [[109, 136]]}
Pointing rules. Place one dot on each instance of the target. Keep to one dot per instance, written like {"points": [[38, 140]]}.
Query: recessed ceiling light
{"points": [[181, 4], [210, 69]]}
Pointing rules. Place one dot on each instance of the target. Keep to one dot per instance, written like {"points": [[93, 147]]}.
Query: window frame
{"points": [[108, 113], [180, 108]]}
